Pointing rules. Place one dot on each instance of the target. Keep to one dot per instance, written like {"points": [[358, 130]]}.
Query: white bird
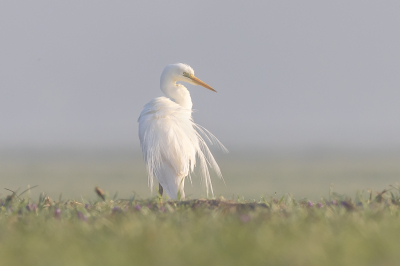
{"points": [[169, 138]]}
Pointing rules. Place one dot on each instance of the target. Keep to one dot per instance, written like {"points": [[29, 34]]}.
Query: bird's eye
{"points": [[185, 74]]}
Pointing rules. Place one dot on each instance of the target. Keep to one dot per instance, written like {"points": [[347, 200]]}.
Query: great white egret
{"points": [[169, 138]]}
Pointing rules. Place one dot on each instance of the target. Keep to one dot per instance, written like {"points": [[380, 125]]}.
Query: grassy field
{"points": [[286, 212], [363, 230]]}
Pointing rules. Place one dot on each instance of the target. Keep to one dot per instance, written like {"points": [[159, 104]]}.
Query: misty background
{"points": [[308, 92]]}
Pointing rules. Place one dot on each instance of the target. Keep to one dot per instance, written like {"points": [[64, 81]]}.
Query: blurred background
{"points": [[308, 93]]}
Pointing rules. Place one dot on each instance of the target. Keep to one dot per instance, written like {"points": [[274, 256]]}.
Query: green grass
{"points": [[363, 230]]}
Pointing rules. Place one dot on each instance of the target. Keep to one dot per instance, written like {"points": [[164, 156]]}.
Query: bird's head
{"points": [[184, 73]]}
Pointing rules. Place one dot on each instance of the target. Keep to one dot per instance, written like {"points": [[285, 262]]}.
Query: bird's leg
{"points": [[160, 189]]}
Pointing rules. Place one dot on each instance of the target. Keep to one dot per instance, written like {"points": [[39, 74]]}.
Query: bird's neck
{"points": [[177, 92]]}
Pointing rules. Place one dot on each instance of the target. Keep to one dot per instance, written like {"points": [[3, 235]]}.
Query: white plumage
{"points": [[170, 140]]}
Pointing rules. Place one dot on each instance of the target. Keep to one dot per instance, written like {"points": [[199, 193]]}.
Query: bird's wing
{"points": [[169, 138]]}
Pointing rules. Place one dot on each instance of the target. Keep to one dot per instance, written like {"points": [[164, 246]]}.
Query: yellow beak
{"points": [[201, 83]]}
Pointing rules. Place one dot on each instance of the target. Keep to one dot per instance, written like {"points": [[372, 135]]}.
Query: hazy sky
{"points": [[288, 73]]}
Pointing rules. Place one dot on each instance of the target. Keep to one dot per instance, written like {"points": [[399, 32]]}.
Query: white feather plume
{"points": [[171, 142]]}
